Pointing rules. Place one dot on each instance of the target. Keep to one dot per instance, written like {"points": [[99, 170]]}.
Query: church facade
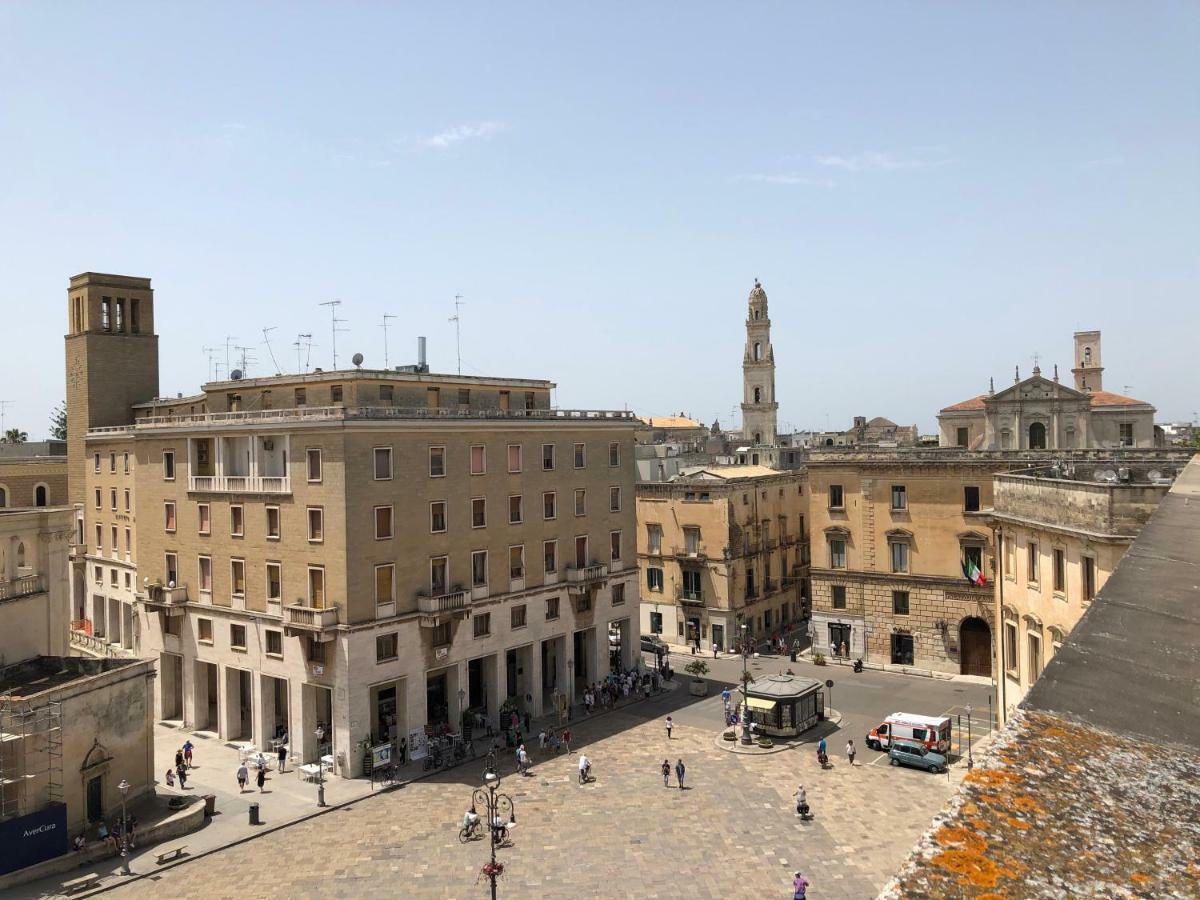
{"points": [[1039, 413]]}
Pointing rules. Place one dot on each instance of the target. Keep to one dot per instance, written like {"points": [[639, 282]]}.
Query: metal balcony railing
{"points": [[241, 484]]}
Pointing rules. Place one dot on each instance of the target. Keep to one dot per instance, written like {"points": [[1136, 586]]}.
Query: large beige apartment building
{"points": [[722, 547], [368, 551]]}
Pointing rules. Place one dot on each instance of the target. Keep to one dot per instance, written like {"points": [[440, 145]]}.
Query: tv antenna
{"points": [[305, 341], [228, 339], [211, 353], [384, 326], [246, 360], [333, 325], [456, 319], [4, 405], [267, 341]]}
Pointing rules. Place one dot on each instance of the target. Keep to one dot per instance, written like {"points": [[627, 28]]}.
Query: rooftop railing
{"points": [[22, 587]]}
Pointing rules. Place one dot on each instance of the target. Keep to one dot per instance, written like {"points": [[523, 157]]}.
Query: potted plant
{"points": [[818, 659], [697, 668]]}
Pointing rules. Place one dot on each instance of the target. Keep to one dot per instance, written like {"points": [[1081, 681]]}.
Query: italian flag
{"points": [[972, 574]]}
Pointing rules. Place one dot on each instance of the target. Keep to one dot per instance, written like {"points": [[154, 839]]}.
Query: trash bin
{"points": [[793, 655], [210, 804], [254, 814]]}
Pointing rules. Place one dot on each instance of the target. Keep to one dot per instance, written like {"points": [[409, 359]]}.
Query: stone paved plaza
{"points": [[733, 832]]}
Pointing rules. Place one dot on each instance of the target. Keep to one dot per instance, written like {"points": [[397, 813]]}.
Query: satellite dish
{"points": [[236, 375], [357, 359], [1108, 475], [170, 584]]}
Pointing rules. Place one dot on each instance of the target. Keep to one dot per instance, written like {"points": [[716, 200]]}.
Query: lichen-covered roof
{"points": [[1057, 808]]}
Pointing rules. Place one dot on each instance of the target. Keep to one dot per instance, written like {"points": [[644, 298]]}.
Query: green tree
{"points": [[15, 436], [58, 422]]}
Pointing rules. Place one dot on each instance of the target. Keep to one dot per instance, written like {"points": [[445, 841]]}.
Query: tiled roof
{"points": [[671, 422], [973, 403], [1108, 398]]}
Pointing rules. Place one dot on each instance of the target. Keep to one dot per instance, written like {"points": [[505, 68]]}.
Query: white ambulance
{"points": [[931, 731]]}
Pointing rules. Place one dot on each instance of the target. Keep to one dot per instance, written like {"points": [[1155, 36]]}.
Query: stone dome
{"points": [[757, 292]]}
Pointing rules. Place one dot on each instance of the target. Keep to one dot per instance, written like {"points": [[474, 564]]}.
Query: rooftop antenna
{"points": [[333, 325], [246, 360], [4, 404], [267, 341], [1127, 388], [303, 340], [211, 351], [385, 328], [458, 302], [228, 338]]}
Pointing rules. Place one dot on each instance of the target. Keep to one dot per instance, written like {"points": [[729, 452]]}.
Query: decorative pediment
{"points": [[837, 531], [899, 534], [972, 537], [1037, 387]]}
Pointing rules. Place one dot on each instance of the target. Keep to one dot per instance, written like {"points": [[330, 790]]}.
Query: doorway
{"points": [[95, 799], [718, 636], [437, 701], [839, 635], [1037, 436], [975, 643]]}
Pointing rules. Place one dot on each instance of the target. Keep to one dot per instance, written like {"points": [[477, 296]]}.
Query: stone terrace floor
{"points": [[733, 832]]}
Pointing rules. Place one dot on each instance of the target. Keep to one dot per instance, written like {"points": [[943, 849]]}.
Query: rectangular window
{"points": [[479, 568], [839, 596], [168, 465], [902, 649], [614, 499], [464, 398], [439, 576], [1126, 434], [580, 502], [1088, 564], [316, 524], [478, 512], [127, 500], [203, 518], [383, 463], [654, 539], [314, 650], [313, 458], [580, 456], [274, 642], [549, 505], [900, 603], [1032, 561], [125, 461], [316, 587], [128, 543], [237, 637], [433, 398], [1035, 657], [691, 584], [115, 548], [614, 546], [386, 647], [962, 436], [437, 462], [386, 393], [514, 458], [836, 500], [516, 510], [1010, 647], [656, 623], [301, 396], [483, 624], [1060, 571], [204, 574], [1010, 558], [335, 393], [169, 516], [516, 562], [112, 577], [112, 497], [837, 554], [654, 579], [383, 523], [618, 594], [274, 581], [204, 631], [437, 516], [99, 538], [272, 523], [550, 557], [478, 459], [96, 461], [505, 400], [237, 577], [691, 540], [99, 499], [899, 497], [551, 608], [112, 462], [614, 454], [236, 524], [899, 556], [385, 584], [517, 616], [171, 564], [547, 457], [970, 498], [98, 574]]}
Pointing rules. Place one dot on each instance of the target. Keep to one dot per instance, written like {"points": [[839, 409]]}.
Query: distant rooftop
{"points": [[34, 449], [44, 673]]}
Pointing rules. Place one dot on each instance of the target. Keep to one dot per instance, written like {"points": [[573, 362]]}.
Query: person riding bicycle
{"points": [[499, 830], [470, 818], [585, 767]]}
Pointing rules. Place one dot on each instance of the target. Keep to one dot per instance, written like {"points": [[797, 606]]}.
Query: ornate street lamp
{"points": [[970, 758], [746, 682], [123, 787], [496, 805], [320, 734]]}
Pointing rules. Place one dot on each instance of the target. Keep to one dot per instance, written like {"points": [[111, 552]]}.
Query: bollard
{"points": [[254, 814]]}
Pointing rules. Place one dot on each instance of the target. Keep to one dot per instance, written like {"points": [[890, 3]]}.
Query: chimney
{"points": [[421, 366]]}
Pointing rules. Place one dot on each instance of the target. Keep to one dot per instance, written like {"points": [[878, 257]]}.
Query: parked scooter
{"points": [[858, 667]]}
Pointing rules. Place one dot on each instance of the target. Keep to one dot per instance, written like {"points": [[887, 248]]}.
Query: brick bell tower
{"points": [[759, 409], [112, 360]]}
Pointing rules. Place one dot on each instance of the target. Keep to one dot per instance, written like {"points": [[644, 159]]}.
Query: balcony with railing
{"points": [[240, 484], [697, 553], [239, 464], [443, 604], [686, 596], [22, 586], [584, 578], [160, 597], [319, 623]]}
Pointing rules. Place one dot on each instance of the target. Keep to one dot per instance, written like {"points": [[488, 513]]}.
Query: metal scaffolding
{"points": [[31, 756]]}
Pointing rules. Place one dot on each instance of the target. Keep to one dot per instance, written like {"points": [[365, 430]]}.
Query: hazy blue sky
{"points": [[930, 193]]}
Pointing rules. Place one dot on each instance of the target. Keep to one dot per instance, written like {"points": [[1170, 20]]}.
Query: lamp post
{"points": [[970, 758], [495, 804], [462, 696], [320, 734], [746, 682], [123, 787]]}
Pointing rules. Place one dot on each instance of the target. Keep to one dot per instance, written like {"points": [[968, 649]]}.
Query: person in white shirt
{"points": [[585, 767]]}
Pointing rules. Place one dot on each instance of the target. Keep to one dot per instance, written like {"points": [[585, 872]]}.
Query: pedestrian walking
{"points": [[566, 737], [403, 750], [243, 774], [181, 771], [527, 721], [187, 753], [179, 757], [850, 751], [670, 725], [261, 778], [679, 770], [666, 773], [282, 757], [799, 887], [542, 739]]}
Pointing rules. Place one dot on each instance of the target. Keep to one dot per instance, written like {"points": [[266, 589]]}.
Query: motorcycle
{"points": [[858, 665]]}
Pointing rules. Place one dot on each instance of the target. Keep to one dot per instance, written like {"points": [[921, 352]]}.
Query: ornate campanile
{"points": [[759, 408]]}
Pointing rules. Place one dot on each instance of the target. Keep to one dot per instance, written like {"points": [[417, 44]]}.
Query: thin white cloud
{"points": [[877, 161], [787, 178], [479, 131]]}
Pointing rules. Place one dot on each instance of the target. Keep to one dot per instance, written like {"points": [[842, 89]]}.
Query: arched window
{"points": [[1037, 436], [3, 498], [757, 437], [20, 556], [756, 314], [757, 351], [758, 395], [39, 495], [1087, 356]]}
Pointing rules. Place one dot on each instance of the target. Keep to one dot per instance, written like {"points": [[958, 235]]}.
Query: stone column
{"points": [[494, 678], [533, 679]]}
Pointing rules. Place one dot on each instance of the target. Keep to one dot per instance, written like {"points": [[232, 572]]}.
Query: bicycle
{"points": [[472, 832]]}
